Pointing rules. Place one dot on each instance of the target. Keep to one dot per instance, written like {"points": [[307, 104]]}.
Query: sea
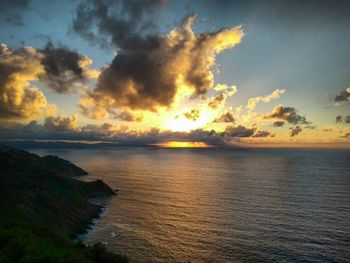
{"points": [[221, 205]]}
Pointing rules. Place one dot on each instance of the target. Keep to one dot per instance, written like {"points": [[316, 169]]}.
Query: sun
{"points": [[183, 124]]}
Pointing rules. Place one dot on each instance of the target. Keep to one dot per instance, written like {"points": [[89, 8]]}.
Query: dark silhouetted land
{"points": [[42, 207]]}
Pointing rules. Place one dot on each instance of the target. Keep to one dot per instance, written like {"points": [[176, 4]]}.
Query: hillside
{"points": [[41, 205]]}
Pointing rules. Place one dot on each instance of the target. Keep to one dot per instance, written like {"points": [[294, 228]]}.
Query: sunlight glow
{"points": [[182, 124], [184, 145]]}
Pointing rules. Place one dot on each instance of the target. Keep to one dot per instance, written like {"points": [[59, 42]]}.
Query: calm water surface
{"points": [[216, 205]]}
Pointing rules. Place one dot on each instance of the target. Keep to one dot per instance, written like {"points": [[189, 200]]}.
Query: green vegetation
{"points": [[33, 243], [42, 208]]}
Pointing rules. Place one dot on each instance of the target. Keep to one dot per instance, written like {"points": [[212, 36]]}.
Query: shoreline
{"points": [[91, 225]]}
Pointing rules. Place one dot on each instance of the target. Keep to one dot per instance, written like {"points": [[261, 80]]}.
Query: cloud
{"points": [[239, 131], [64, 69], [149, 72], [311, 127], [219, 100], [59, 68], [327, 129], [61, 123], [343, 96], [347, 119], [295, 131], [105, 129], [128, 116], [347, 135], [288, 114], [225, 117], [262, 134], [340, 119], [120, 23], [193, 115], [252, 102], [11, 11], [95, 106], [64, 128], [202, 114], [18, 98], [278, 123]]}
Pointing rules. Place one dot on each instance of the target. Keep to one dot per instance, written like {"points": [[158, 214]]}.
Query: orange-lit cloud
{"points": [[61, 123], [225, 118], [18, 98], [58, 68], [219, 100], [193, 115], [200, 115], [252, 102], [150, 77]]}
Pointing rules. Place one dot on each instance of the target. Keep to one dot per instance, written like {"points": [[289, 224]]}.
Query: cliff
{"points": [[41, 192]]}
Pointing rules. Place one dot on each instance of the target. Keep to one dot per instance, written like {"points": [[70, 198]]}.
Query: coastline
{"points": [[47, 209], [91, 225]]}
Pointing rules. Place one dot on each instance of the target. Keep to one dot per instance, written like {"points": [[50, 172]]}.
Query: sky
{"points": [[155, 71]]}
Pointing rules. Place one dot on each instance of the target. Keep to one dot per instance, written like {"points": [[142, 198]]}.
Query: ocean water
{"points": [[222, 205]]}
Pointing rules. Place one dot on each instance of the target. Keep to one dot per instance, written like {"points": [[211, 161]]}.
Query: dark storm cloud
{"points": [[288, 114], [278, 123], [295, 131], [11, 11], [64, 68], [225, 118], [343, 96]]}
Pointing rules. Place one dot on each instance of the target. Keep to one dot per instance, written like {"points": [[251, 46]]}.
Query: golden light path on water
{"points": [[175, 144], [220, 204]]}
